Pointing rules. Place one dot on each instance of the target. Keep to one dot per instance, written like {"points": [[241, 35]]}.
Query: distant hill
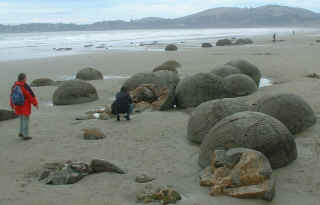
{"points": [[265, 16]]}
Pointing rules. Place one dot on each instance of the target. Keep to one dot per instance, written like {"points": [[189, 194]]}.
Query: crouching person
{"points": [[21, 99], [123, 104]]}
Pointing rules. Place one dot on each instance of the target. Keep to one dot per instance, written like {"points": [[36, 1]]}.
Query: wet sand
{"points": [[152, 142]]}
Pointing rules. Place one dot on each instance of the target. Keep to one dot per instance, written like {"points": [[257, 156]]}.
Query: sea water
{"points": [[16, 46]]}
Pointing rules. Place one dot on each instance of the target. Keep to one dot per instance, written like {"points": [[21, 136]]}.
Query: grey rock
{"points": [[240, 85], [89, 74], [225, 70]]}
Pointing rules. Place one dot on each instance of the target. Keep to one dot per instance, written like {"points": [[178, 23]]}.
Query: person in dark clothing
{"points": [[123, 103]]}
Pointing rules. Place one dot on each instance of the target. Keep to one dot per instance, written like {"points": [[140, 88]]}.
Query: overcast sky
{"points": [[88, 11]]}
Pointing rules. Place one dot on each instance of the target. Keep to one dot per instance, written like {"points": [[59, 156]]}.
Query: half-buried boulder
{"points": [[172, 63], [243, 41], [240, 85], [292, 110], [208, 114], [165, 67], [199, 88], [225, 70], [224, 42], [171, 47], [7, 115], [251, 130], [42, 82], [74, 92], [248, 69], [89, 74], [206, 45]]}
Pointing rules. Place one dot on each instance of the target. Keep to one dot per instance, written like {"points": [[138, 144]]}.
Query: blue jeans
{"points": [[24, 125]]}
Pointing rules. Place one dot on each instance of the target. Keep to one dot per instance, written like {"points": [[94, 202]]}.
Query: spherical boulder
{"points": [[171, 47], [239, 85], [89, 74], [165, 67], [74, 92], [251, 130], [206, 45], [224, 42], [208, 114], [161, 78], [248, 69], [292, 110], [243, 41], [199, 88], [42, 82], [7, 115], [225, 70], [172, 63]]}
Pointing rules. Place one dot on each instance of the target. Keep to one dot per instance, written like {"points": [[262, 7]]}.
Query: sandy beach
{"points": [[153, 142]]}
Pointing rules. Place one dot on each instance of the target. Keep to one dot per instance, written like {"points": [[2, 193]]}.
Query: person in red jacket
{"points": [[24, 111]]}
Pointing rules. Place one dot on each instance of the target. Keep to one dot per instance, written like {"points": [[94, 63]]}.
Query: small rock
{"points": [[93, 134], [143, 178], [158, 193], [98, 166]]}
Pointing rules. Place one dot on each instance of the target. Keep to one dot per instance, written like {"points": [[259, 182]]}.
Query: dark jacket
{"points": [[122, 103], [30, 99]]}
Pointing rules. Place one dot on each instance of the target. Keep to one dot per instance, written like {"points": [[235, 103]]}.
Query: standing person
{"points": [[21, 99], [123, 103], [274, 37]]}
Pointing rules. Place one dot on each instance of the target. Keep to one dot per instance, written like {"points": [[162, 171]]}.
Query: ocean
{"points": [[18, 46]]}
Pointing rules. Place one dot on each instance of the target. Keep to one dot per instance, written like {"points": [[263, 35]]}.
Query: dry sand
{"points": [[152, 142]]}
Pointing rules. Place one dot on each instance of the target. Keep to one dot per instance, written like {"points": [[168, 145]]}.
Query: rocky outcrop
{"points": [[89, 74], [225, 70], [240, 173], [199, 88], [292, 110], [251, 130], [7, 115], [165, 67], [74, 92], [172, 63], [239, 85], [247, 68], [42, 82], [208, 114], [98, 165], [171, 47]]}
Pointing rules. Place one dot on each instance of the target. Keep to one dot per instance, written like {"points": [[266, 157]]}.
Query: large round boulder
{"points": [[243, 41], [161, 78], [224, 42], [74, 92], [171, 47], [292, 110], [7, 115], [206, 45], [199, 88], [208, 114], [251, 130], [248, 69], [42, 82], [165, 67], [240, 85], [172, 63], [89, 74], [225, 70]]}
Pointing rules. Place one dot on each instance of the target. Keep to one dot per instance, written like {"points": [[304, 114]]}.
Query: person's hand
{"points": [[37, 106]]}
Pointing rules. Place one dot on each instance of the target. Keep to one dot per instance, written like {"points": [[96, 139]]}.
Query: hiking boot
{"points": [[27, 138], [118, 118], [20, 135], [127, 117]]}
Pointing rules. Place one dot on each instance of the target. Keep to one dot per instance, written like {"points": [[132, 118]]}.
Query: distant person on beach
{"points": [[122, 104], [274, 37], [21, 99]]}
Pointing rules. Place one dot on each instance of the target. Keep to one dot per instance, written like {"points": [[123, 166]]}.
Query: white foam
{"points": [[96, 115], [264, 82], [108, 77]]}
